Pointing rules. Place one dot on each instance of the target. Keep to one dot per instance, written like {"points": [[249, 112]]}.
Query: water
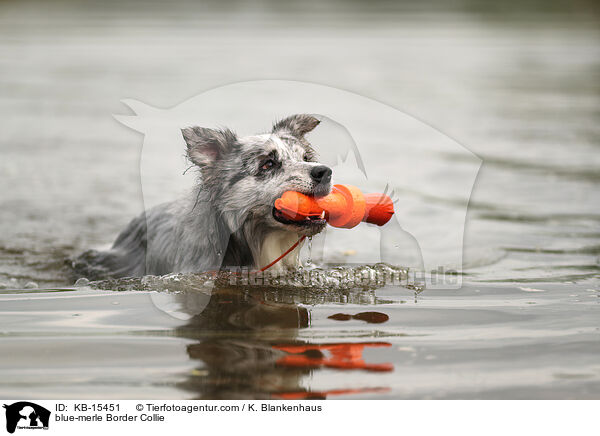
{"points": [[516, 86], [308, 261]]}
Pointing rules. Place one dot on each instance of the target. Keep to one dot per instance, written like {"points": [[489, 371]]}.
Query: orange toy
{"points": [[346, 206]]}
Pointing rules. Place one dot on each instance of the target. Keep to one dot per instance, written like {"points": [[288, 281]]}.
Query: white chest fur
{"points": [[275, 244]]}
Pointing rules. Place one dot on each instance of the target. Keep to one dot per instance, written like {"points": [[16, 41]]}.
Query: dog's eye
{"points": [[268, 164], [306, 158]]}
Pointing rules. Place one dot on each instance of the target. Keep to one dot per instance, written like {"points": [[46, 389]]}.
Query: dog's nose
{"points": [[321, 174]]}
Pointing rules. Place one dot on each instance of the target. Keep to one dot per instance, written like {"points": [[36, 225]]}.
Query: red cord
{"points": [[283, 255], [272, 263]]}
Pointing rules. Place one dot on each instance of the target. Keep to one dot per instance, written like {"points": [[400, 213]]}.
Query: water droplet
{"points": [[309, 259], [82, 282]]}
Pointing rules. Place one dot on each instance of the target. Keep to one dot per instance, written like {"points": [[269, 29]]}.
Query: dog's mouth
{"points": [[310, 221]]}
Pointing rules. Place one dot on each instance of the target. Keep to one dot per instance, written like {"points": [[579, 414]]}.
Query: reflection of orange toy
{"points": [[343, 356], [346, 206]]}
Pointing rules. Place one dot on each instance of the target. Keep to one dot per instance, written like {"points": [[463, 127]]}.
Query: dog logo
{"points": [[26, 415]]}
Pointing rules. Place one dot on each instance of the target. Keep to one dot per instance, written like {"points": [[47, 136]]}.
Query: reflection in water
{"points": [[343, 356], [249, 347], [370, 317]]}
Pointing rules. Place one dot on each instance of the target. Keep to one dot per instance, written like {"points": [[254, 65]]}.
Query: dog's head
{"points": [[244, 176]]}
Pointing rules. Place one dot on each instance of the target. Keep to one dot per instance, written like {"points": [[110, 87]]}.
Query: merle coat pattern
{"points": [[228, 219]]}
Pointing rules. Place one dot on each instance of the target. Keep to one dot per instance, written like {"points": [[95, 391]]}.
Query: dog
{"points": [[228, 219]]}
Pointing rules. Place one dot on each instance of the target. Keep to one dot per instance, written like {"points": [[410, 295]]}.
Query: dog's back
{"points": [[128, 255]]}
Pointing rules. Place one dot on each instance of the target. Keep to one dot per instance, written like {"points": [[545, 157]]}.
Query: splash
{"points": [[326, 279]]}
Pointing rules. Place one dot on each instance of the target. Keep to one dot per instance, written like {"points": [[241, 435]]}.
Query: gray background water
{"points": [[518, 84]]}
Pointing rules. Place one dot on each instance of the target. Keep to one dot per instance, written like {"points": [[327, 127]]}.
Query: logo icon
{"points": [[26, 415]]}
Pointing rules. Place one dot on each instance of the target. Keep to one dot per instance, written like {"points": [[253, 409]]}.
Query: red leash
{"points": [[289, 250], [283, 255]]}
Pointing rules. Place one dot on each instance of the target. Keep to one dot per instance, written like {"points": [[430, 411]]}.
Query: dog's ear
{"points": [[204, 146], [297, 125]]}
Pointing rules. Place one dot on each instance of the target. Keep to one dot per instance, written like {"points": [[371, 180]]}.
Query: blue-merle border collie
{"points": [[228, 219]]}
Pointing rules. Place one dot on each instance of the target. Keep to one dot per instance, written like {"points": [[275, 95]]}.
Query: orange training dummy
{"points": [[346, 206]]}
